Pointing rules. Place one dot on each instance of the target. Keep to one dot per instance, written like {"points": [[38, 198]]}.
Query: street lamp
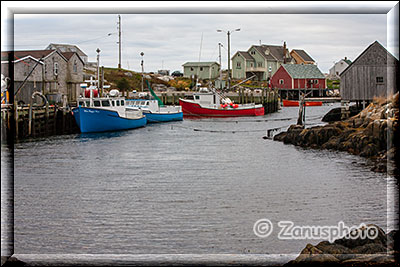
{"points": [[142, 54], [229, 54]]}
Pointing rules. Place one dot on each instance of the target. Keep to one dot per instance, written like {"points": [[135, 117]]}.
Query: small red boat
{"points": [[210, 104], [294, 103]]}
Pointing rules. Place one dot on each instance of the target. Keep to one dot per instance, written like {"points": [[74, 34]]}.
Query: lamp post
{"points": [[229, 54], [142, 54], [98, 67]]}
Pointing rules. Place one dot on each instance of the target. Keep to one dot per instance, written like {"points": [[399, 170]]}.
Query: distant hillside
{"points": [[114, 77]]}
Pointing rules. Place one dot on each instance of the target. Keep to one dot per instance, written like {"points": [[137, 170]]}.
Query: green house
{"points": [[202, 70], [260, 60]]}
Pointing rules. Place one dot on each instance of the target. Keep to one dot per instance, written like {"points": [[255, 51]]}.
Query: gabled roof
{"points": [[365, 51], [68, 55], [196, 64], [67, 48], [275, 52], [245, 54], [303, 55], [37, 54], [298, 71]]}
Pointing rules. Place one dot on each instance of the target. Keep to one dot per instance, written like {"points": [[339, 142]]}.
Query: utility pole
{"points": [[229, 55], [142, 54], [229, 61], [119, 40], [220, 67]]}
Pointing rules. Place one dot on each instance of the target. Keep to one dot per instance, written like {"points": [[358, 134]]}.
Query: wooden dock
{"points": [[45, 121]]}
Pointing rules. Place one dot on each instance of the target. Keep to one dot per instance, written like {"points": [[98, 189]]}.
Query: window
{"points": [[55, 68], [259, 64], [96, 103], [105, 103], [87, 103], [238, 65], [197, 97], [281, 81], [117, 103], [191, 69], [253, 52], [251, 65], [113, 103], [147, 103], [201, 68], [75, 66], [379, 79], [81, 103], [122, 103], [315, 81]]}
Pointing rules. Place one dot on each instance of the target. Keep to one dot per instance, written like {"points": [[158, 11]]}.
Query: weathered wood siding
{"points": [[359, 80]]}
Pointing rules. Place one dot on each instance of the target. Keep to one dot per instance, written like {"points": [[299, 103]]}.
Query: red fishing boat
{"points": [[207, 103], [294, 103]]}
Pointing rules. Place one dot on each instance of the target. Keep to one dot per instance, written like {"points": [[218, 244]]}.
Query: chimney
{"points": [[284, 52]]}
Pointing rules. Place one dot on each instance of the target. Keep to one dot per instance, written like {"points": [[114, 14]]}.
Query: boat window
{"points": [[87, 103], [113, 103], [197, 97], [117, 103], [122, 103], [96, 103], [105, 103], [147, 103], [81, 103]]}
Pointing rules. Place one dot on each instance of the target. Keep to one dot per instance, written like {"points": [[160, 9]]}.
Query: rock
{"points": [[351, 252], [352, 243], [369, 249]]}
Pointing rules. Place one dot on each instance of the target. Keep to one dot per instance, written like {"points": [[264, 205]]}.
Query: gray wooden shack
{"points": [[372, 74]]}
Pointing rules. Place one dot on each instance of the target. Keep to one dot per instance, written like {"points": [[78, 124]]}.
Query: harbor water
{"points": [[191, 187]]}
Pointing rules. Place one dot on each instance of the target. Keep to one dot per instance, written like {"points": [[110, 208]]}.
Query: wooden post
{"points": [[46, 120]]}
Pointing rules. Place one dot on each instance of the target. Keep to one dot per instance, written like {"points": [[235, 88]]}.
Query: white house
{"points": [[338, 67]]}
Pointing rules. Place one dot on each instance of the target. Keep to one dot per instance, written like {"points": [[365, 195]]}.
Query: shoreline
{"points": [[369, 134]]}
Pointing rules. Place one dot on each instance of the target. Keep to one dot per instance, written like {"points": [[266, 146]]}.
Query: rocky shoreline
{"points": [[381, 250], [368, 134]]}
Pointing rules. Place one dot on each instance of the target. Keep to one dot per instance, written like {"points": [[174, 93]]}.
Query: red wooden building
{"points": [[291, 78]]}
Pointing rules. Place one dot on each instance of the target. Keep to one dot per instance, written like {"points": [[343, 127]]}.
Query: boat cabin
{"points": [[205, 97]]}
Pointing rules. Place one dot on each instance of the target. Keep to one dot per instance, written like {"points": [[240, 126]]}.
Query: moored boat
{"points": [[294, 103], [102, 114], [206, 103], [154, 112]]}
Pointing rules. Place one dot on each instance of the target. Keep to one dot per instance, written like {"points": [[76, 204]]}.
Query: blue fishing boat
{"points": [[154, 109], [102, 114], [154, 112]]}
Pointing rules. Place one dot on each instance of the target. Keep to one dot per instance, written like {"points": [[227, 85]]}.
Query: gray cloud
{"points": [[169, 40]]}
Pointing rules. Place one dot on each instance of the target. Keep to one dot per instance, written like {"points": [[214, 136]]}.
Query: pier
{"points": [[17, 124], [269, 99]]}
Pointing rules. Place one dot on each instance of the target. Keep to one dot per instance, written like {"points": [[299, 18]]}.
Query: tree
{"points": [[123, 85]]}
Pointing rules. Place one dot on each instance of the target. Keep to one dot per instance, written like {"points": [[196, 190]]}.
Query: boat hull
{"points": [[100, 120], [163, 117], [293, 103], [190, 108]]}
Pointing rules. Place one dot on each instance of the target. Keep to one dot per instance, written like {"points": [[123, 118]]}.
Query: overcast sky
{"points": [[170, 40]]}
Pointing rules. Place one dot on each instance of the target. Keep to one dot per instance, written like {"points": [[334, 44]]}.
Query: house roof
{"points": [[33, 53], [298, 71], [303, 54], [348, 61], [275, 52], [374, 43], [68, 55], [246, 55], [67, 48], [196, 64]]}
